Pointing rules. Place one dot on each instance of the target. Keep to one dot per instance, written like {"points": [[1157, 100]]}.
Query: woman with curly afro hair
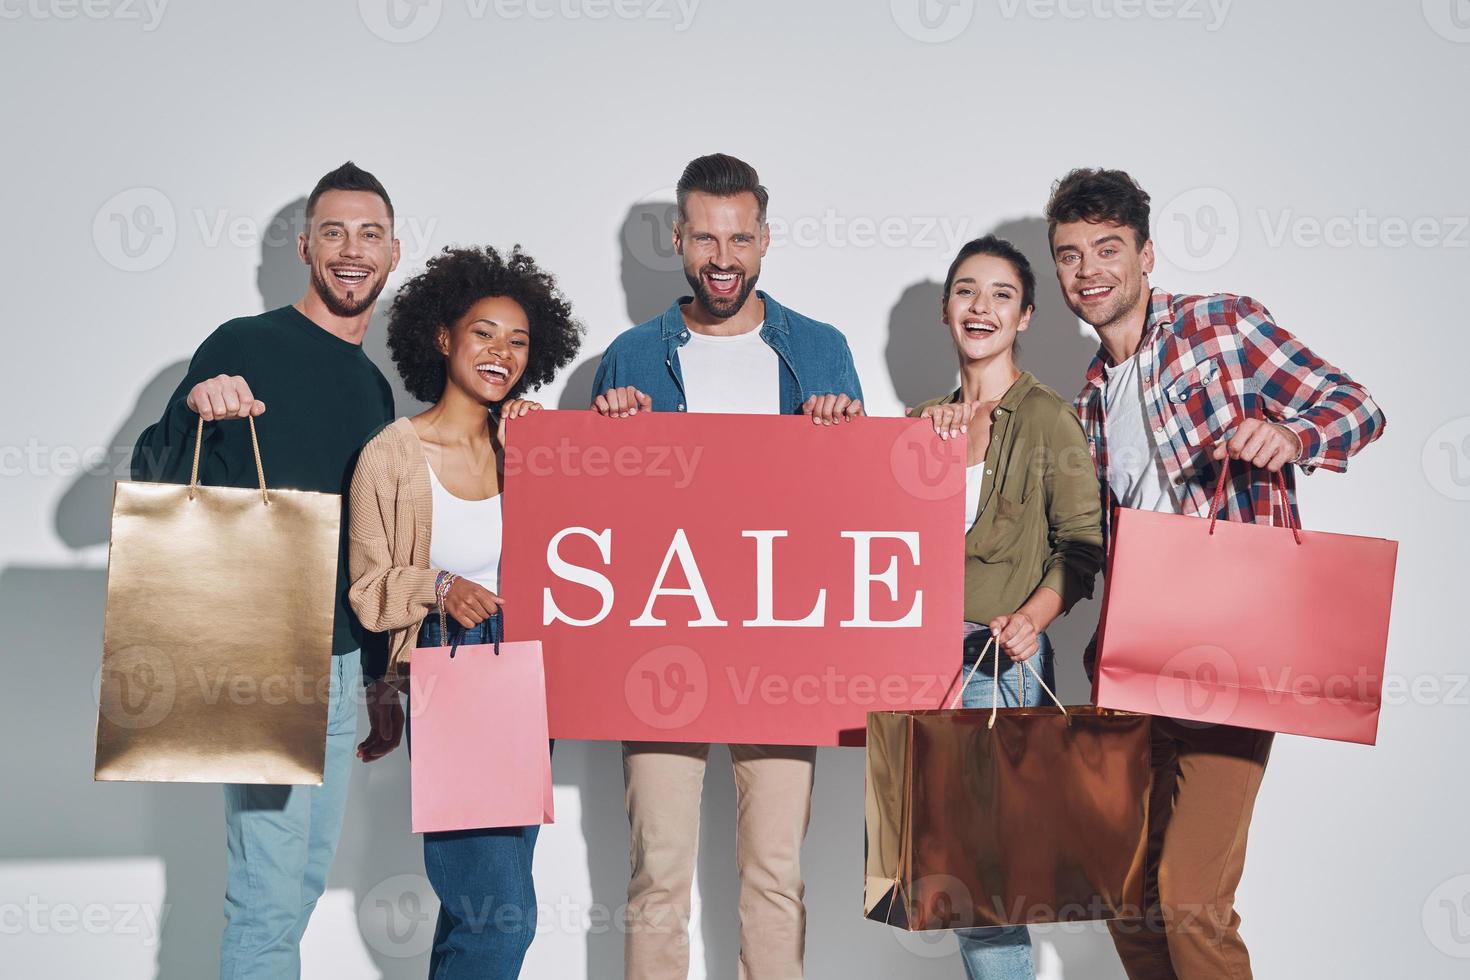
{"points": [[472, 334]]}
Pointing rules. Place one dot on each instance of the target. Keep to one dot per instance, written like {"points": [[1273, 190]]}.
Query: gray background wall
{"points": [[1309, 153]]}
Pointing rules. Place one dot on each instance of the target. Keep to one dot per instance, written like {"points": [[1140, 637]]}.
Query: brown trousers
{"points": [[1205, 783], [665, 784]]}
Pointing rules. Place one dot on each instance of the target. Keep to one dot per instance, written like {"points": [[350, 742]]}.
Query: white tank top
{"points": [[974, 481], [466, 536]]}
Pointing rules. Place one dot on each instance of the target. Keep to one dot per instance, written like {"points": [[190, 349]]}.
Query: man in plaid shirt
{"points": [[1182, 385]]}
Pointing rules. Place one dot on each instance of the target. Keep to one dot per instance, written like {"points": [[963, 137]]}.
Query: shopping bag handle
{"points": [[1278, 483], [995, 688], [254, 445]]}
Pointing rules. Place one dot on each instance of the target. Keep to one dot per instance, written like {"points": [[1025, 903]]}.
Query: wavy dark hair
{"points": [[1098, 195], [452, 282]]}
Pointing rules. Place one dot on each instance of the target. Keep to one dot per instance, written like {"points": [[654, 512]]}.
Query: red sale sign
{"points": [[734, 578]]}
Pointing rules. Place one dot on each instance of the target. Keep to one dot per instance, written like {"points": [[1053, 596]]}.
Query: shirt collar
{"points": [[1024, 382], [1160, 316], [671, 324]]}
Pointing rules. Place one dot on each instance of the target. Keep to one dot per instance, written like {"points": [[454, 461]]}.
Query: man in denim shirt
{"points": [[728, 348]]}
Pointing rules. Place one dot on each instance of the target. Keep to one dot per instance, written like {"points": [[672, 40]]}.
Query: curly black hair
{"points": [[452, 282]]}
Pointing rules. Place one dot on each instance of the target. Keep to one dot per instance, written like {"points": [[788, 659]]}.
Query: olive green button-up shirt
{"points": [[1040, 520]]}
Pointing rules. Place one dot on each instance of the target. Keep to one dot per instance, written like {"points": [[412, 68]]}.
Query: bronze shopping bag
{"points": [[216, 651], [1008, 816]]}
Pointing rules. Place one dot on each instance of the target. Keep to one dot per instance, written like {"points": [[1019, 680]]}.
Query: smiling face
{"points": [[983, 308], [1102, 271], [487, 348], [722, 241], [350, 248]]}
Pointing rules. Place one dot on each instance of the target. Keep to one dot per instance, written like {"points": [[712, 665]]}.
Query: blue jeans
{"points": [[487, 898], [281, 841], [1002, 953]]}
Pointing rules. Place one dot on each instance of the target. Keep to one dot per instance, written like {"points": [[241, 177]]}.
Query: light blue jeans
{"points": [[1002, 953], [281, 842], [487, 897]]}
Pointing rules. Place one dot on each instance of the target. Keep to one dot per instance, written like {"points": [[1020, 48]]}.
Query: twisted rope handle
{"points": [[254, 445], [1279, 483], [995, 687]]}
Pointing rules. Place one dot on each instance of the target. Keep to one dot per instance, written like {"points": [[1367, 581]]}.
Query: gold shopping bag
{"points": [[217, 647], [1009, 816]]}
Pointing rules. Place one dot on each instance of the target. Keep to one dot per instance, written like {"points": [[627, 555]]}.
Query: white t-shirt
{"points": [[466, 536], [1136, 471], [735, 375], [974, 481]]}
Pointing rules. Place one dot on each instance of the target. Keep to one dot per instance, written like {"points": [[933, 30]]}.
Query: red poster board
{"points": [[734, 578]]}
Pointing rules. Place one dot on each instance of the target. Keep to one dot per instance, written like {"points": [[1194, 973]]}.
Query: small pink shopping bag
{"points": [[480, 754]]}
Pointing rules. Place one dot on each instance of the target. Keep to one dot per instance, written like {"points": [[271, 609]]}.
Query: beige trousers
{"points": [[665, 783]]}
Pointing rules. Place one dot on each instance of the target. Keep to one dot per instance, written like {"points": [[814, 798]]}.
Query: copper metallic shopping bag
{"points": [[480, 754], [1005, 816], [1223, 622], [217, 647]]}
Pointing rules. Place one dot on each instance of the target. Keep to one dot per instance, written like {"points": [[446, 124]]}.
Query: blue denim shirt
{"points": [[815, 359]]}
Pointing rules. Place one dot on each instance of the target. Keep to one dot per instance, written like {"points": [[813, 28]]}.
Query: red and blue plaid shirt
{"points": [[1207, 363]]}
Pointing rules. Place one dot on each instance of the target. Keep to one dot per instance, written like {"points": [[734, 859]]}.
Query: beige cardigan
{"points": [[390, 518]]}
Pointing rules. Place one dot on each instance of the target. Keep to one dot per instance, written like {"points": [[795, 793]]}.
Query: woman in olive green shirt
{"points": [[1033, 534]]}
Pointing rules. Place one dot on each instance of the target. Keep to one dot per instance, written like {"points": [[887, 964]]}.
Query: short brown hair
{"points": [[723, 176], [1098, 195]]}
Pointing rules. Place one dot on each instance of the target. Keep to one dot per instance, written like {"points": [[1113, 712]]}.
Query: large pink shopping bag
{"points": [[1220, 622], [480, 754]]}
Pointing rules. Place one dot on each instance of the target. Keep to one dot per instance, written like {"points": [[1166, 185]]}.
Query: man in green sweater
{"points": [[301, 372]]}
